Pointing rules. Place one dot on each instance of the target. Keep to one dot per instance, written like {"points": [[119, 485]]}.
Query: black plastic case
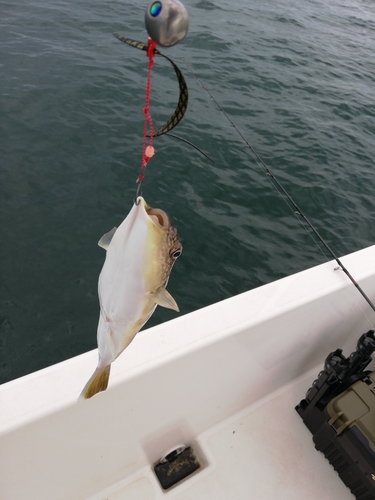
{"points": [[339, 410]]}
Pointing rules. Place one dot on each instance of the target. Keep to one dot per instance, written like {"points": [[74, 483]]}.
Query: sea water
{"points": [[296, 77]]}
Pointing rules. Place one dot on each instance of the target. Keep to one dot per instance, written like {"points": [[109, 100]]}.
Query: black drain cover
{"points": [[175, 466]]}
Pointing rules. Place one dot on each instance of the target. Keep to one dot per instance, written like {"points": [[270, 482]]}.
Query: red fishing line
{"points": [[147, 151]]}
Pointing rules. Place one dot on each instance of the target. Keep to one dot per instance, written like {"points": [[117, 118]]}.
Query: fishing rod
{"points": [[277, 183], [156, 26]]}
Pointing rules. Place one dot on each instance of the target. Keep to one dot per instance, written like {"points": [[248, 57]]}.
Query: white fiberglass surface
{"points": [[184, 381]]}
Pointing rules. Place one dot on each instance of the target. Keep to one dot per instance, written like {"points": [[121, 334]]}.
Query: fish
{"points": [[140, 255]]}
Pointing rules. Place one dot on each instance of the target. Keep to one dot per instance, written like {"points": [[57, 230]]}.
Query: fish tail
{"points": [[97, 383]]}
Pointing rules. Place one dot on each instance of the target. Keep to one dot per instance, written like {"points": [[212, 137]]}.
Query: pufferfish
{"points": [[140, 256]]}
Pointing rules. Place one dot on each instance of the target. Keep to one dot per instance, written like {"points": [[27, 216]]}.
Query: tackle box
{"points": [[339, 411]]}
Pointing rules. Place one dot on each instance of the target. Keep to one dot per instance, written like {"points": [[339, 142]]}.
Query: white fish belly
{"points": [[122, 286]]}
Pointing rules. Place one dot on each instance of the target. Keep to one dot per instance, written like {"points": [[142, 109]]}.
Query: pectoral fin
{"points": [[164, 299], [106, 239]]}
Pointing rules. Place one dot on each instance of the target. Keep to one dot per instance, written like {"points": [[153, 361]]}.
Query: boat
{"points": [[221, 383]]}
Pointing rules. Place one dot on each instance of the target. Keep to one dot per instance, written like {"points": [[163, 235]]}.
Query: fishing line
{"points": [[296, 209], [157, 20], [181, 107], [147, 151], [192, 145], [302, 222]]}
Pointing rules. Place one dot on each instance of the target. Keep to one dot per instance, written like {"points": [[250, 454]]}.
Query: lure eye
{"points": [[166, 22], [177, 253], [155, 9]]}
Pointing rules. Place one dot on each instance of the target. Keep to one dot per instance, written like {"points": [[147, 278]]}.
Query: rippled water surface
{"points": [[297, 77]]}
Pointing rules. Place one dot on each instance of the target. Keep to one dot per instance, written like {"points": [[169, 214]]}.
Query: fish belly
{"points": [[121, 287]]}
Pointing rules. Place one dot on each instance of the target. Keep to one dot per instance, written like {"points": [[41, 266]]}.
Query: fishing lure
{"points": [[183, 99], [167, 24]]}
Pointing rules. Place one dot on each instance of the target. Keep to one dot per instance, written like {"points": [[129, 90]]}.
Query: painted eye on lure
{"points": [[155, 9], [166, 22]]}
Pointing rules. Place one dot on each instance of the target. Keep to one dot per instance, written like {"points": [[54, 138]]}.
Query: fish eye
{"points": [[177, 253]]}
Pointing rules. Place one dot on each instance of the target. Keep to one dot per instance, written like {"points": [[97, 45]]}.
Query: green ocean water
{"points": [[297, 77]]}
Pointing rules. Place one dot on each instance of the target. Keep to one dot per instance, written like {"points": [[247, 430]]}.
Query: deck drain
{"points": [[176, 465]]}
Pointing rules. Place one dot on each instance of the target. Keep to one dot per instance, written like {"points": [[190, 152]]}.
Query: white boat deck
{"points": [[224, 379], [263, 452]]}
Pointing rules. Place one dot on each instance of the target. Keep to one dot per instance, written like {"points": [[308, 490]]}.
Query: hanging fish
{"points": [[140, 256]]}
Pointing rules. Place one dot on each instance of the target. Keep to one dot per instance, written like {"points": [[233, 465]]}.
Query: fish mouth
{"points": [[158, 216]]}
